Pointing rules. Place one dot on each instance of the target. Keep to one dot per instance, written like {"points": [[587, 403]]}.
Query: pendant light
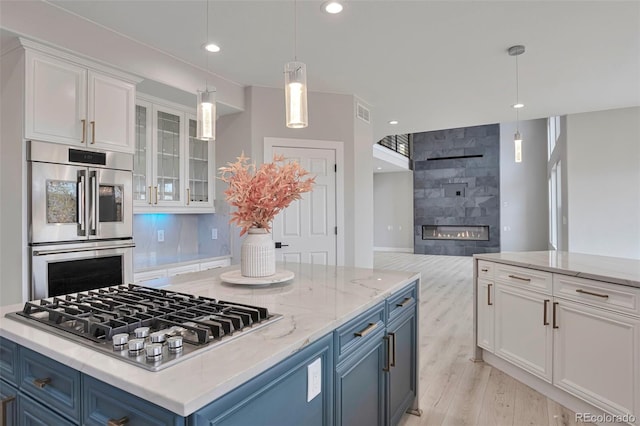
{"points": [[517, 138], [206, 109], [295, 84]]}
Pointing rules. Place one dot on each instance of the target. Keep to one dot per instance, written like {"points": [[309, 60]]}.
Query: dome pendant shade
{"points": [[295, 86], [206, 128]]}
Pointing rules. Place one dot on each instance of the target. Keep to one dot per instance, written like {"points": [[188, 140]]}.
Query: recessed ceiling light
{"points": [[518, 106], [393, 122], [378, 168], [332, 7], [211, 47]]}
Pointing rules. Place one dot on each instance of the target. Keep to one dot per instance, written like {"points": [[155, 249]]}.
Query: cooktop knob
{"points": [[158, 336], [175, 344], [141, 332], [120, 341], [154, 351], [136, 346]]}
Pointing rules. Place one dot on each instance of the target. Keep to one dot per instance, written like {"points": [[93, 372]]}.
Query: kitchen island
{"points": [[566, 324], [319, 304]]}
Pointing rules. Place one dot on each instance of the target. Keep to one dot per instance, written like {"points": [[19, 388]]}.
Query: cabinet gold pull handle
{"points": [[118, 422], [4, 404], [484, 270], [393, 351], [41, 383], [519, 278], [405, 302], [545, 320], [157, 192], [604, 296], [489, 302], [93, 132], [150, 194], [387, 367], [555, 317], [367, 330], [188, 196], [84, 129]]}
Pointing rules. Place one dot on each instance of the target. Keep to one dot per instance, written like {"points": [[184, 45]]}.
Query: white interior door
{"points": [[307, 228]]}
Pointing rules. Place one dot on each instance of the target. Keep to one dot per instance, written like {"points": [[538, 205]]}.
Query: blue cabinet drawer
{"points": [[402, 301], [104, 404], [8, 361], [365, 326], [8, 404], [50, 383], [31, 413]]}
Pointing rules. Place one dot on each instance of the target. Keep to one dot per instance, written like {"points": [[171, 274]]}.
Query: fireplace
{"points": [[455, 232]]}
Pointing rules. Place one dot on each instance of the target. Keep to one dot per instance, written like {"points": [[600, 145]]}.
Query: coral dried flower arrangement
{"points": [[260, 193]]}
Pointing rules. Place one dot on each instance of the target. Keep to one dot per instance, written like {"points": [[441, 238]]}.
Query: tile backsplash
{"points": [[186, 237]]}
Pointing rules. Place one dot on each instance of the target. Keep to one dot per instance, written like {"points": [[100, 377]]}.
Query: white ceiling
{"points": [[430, 65]]}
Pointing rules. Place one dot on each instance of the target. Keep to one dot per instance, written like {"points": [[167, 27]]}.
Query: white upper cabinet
{"points": [[111, 104], [174, 171], [72, 103]]}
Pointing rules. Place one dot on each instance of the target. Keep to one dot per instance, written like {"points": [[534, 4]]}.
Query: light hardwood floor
{"points": [[454, 390]]}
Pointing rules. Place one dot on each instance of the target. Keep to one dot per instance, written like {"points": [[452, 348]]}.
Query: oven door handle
{"points": [[50, 252], [81, 204], [94, 202]]}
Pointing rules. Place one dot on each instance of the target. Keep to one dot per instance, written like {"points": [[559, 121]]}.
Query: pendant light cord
{"points": [[206, 81], [295, 30], [517, 95]]}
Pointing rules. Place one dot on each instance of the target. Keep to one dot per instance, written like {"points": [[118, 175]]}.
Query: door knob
{"points": [[280, 245]]}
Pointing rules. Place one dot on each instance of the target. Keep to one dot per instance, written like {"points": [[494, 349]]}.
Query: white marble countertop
{"points": [[611, 269], [318, 300]]}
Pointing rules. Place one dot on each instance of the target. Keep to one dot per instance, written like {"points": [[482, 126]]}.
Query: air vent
{"points": [[363, 113]]}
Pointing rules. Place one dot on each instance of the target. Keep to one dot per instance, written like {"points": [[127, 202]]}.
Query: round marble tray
{"points": [[235, 277]]}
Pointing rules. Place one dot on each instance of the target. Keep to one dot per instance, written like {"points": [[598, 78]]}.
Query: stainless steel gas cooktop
{"points": [[151, 328]]}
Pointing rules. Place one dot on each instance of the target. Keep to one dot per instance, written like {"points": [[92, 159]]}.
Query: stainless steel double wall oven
{"points": [[80, 218]]}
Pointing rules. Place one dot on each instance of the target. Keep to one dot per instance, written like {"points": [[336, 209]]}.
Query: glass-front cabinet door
{"points": [[167, 161], [142, 178], [200, 169], [174, 172]]}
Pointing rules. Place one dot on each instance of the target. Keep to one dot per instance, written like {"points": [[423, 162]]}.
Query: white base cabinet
{"points": [[580, 335], [521, 335], [596, 356], [484, 308]]}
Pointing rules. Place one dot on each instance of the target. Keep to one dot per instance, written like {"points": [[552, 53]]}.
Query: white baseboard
{"points": [[395, 249]]}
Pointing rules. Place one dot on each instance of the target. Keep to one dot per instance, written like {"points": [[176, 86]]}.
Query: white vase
{"points": [[257, 254]]}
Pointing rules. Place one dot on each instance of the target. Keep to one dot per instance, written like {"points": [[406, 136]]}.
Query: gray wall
{"points": [[524, 198], [480, 204], [603, 155], [331, 117], [393, 211]]}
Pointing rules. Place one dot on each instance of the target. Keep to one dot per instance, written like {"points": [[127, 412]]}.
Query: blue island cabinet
{"points": [[376, 371], [279, 396]]}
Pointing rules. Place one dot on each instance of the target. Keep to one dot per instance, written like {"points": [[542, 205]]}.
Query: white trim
{"points": [[394, 249], [338, 146], [77, 59], [385, 154], [150, 100]]}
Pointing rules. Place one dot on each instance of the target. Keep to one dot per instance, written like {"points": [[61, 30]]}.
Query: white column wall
{"points": [[524, 198], [603, 180], [393, 211]]}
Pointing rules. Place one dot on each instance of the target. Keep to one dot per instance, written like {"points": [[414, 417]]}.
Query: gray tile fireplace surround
{"points": [[456, 181]]}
